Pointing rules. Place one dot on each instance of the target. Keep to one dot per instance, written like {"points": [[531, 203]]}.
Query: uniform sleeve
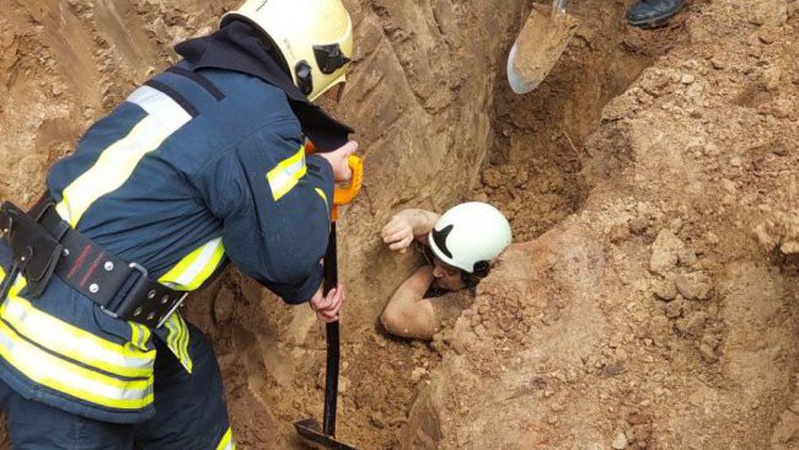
{"points": [[274, 204]]}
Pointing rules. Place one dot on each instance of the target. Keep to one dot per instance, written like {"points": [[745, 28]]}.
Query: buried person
{"points": [[459, 246]]}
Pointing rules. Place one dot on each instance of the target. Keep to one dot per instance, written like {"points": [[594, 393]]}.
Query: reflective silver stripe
{"points": [[178, 340], [75, 343], [196, 267], [140, 335], [161, 106], [61, 375], [117, 161], [286, 174], [58, 374]]}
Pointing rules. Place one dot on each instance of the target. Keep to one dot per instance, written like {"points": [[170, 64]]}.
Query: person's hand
{"points": [[398, 232], [406, 225], [327, 307], [338, 161]]}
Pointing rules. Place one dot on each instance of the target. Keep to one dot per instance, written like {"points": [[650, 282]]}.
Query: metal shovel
{"points": [[542, 40], [308, 429]]}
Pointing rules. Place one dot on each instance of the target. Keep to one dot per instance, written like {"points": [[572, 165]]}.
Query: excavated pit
{"points": [[647, 180], [532, 171]]}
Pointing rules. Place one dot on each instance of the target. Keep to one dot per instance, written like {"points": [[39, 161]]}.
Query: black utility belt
{"points": [[45, 245]]}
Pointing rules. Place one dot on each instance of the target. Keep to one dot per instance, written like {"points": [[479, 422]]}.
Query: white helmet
{"points": [[469, 236], [314, 36]]}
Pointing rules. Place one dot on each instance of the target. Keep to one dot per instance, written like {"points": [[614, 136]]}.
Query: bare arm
{"points": [[406, 225], [408, 314]]}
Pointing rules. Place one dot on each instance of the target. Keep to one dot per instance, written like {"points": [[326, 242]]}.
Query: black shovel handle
{"points": [[331, 373]]}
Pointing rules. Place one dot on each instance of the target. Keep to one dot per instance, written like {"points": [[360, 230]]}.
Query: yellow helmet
{"points": [[314, 36]]}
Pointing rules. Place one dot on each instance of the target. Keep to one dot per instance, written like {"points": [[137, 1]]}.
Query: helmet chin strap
{"points": [[481, 269], [471, 280]]}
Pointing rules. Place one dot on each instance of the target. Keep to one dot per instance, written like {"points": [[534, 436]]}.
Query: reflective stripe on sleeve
{"points": [[322, 194], [286, 174], [117, 161], [59, 337], [227, 441], [55, 373], [196, 267]]}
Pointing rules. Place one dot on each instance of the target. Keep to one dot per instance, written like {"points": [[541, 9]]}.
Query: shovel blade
{"points": [[311, 434], [538, 47]]}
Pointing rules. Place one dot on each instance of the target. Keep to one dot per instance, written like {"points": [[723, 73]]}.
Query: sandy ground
{"points": [[648, 300]]}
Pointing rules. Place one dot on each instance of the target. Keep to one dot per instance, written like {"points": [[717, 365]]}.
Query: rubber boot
{"points": [[653, 13]]}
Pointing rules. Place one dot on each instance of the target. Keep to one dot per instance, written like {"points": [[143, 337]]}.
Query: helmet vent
{"points": [[440, 238], [329, 58], [304, 78]]}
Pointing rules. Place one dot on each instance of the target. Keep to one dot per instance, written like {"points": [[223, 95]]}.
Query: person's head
{"points": [[314, 38], [465, 241]]}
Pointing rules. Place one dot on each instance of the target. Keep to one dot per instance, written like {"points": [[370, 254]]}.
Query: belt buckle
{"points": [[172, 310], [124, 307]]}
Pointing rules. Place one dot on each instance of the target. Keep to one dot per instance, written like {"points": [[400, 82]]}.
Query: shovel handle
{"points": [[558, 7], [331, 379], [332, 338], [341, 196]]}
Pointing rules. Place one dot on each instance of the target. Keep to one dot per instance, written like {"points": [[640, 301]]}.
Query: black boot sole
{"points": [[653, 22]]}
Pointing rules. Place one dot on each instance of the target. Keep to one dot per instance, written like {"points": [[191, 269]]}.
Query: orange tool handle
{"points": [[345, 194]]}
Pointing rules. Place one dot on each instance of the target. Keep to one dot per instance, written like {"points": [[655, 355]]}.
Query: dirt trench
{"points": [[532, 171], [647, 299]]}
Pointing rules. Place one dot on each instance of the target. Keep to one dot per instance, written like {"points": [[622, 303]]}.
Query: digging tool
{"points": [[542, 40], [308, 429]]}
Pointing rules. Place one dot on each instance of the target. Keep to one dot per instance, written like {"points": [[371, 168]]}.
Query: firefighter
{"points": [[202, 164], [459, 246], [653, 13]]}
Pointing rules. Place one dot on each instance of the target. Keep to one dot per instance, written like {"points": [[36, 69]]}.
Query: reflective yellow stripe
{"points": [[196, 267], [227, 441], [178, 340], [183, 343], [111, 170], [18, 285], [140, 335], [64, 339], [58, 374], [324, 198], [118, 161], [286, 174]]}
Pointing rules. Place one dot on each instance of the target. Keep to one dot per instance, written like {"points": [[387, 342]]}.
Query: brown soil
{"points": [[648, 299]]}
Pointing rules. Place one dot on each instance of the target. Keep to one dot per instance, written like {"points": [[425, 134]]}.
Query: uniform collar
{"points": [[238, 46]]}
